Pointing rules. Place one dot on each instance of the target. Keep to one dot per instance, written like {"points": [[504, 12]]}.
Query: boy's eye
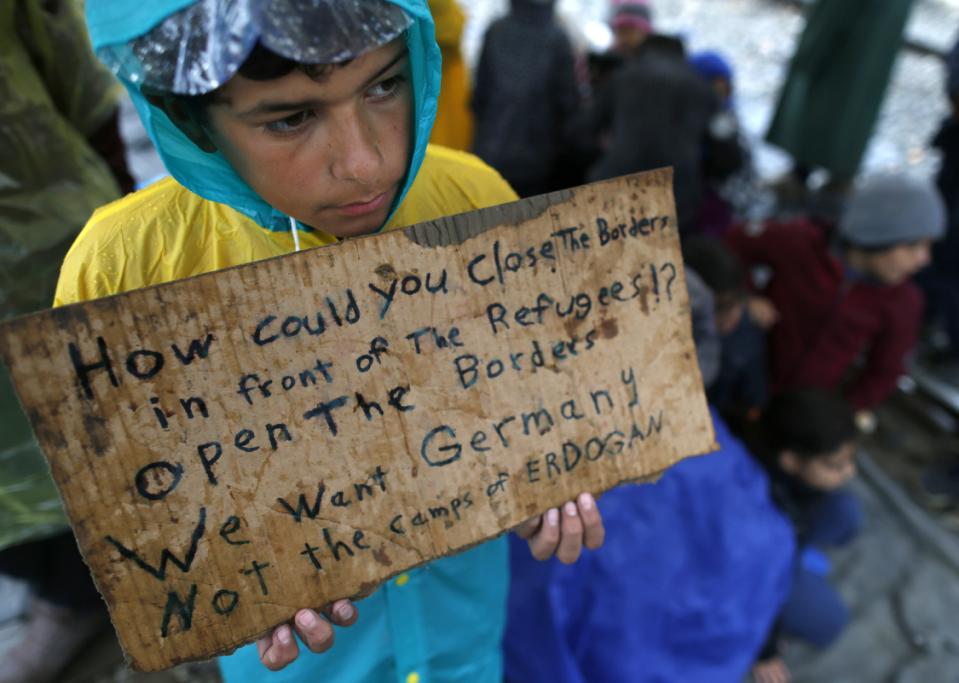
{"points": [[290, 123], [386, 88]]}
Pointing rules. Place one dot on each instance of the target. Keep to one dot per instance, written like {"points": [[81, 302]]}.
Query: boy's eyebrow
{"points": [[268, 107], [389, 65]]}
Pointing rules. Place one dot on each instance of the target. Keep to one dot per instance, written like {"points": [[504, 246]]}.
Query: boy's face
{"points": [[722, 87], [826, 472], [330, 150], [627, 39], [897, 264]]}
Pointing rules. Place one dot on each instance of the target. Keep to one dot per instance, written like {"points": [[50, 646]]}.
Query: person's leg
{"points": [[813, 611], [65, 614], [835, 520], [801, 172], [23, 562], [945, 271], [54, 570]]}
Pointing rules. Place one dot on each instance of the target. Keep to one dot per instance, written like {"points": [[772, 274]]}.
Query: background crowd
{"points": [[813, 304]]}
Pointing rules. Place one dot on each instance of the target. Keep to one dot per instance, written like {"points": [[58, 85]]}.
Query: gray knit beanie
{"points": [[893, 209]]}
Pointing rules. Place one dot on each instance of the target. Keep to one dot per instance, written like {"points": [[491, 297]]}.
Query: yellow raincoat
{"points": [[454, 118], [165, 232], [53, 96]]}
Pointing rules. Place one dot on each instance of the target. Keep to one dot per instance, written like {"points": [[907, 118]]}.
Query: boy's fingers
{"points": [[277, 649], [543, 543], [594, 533], [342, 613], [529, 527], [571, 540], [262, 645], [315, 631]]}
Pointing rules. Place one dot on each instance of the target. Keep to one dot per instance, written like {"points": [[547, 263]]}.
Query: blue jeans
{"points": [[814, 611]]}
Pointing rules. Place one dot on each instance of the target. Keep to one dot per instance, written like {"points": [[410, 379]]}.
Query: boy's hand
{"points": [[762, 311], [560, 533], [866, 421], [278, 648], [771, 671], [564, 531]]}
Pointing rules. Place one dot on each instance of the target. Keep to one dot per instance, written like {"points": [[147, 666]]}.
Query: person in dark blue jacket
{"points": [[525, 97]]}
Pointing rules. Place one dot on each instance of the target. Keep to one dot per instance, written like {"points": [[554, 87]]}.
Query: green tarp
{"points": [[53, 96]]}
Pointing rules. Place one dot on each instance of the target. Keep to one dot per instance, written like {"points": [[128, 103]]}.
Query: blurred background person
{"points": [[525, 97], [740, 389], [844, 313], [807, 443], [653, 111], [940, 281], [454, 118], [732, 189], [61, 157]]}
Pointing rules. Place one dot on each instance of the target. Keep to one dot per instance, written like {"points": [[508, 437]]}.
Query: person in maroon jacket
{"points": [[844, 316]]}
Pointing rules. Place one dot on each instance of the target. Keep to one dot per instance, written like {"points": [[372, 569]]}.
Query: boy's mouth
{"points": [[363, 206]]}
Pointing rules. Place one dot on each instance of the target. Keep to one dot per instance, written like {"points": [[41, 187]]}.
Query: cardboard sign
{"points": [[238, 445]]}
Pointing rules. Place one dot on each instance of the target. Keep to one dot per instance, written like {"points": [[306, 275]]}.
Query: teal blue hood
{"points": [[209, 174]]}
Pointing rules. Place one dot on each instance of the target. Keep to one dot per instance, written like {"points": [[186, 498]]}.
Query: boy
{"points": [[836, 306], [296, 124], [739, 390], [807, 442]]}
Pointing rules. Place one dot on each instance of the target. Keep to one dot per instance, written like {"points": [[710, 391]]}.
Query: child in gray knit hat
{"points": [[889, 226], [847, 315]]}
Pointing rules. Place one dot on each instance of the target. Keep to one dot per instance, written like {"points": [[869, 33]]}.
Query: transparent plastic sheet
{"points": [[199, 48]]}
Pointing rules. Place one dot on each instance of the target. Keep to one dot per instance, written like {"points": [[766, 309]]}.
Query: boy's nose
{"points": [[354, 149]]}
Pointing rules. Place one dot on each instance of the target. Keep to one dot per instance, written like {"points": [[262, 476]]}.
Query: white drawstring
{"points": [[296, 235]]}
